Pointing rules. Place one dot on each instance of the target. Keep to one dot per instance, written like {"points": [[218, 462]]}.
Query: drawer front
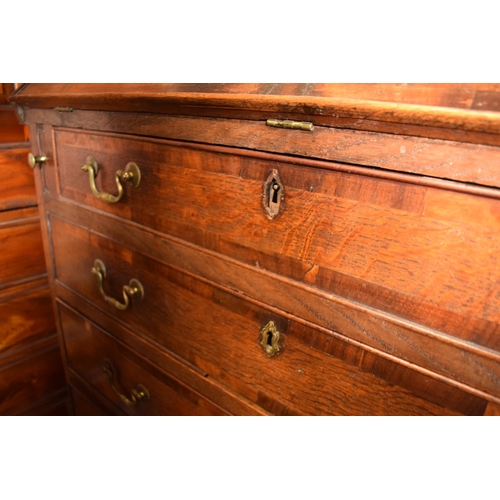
{"points": [[17, 188], [21, 255], [84, 406], [383, 242], [129, 382], [30, 380], [26, 315], [220, 334]]}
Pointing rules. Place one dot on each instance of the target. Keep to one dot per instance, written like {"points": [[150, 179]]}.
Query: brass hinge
{"points": [[274, 122]]}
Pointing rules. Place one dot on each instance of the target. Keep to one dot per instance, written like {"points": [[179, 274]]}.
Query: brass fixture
{"points": [[140, 393], [33, 160], [270, 338], [131, 174], [274, 122], [273, 194], [133, 290]]}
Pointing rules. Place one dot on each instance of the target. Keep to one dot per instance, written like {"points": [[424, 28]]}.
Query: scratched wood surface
{"points": [[389, 336], [465, 162], [449, 106], [88, 347], [171, 364], [448, 95], [379, 270], [373, 240], [219, 333]]}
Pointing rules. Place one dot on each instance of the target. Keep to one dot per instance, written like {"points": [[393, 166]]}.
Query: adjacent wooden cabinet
{"points": [[272, 249], [31, 371]]}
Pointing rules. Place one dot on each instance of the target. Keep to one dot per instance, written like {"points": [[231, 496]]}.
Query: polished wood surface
{"points": [[26, 315], [446, 106], [379, 271], [31, 372], [30, 379], [89, 348], [422, 348], [370, 239], [22, 251], [17, 188], [211, 328], [11, 131]]}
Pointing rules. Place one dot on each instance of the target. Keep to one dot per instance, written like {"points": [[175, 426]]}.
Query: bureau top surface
{"points": [[473, 107]]}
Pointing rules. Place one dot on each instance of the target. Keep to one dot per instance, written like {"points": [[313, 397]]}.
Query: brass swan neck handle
{"points": [[138, 394], [133, 290], [131, 174]]}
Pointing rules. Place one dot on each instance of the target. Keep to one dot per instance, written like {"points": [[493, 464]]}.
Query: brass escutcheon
{"points": [[273, 194], [270, 338]]}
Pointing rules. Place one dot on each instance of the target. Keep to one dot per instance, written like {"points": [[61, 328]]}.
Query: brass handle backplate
{"points": [[133, 290], [270, 338], [34, 160], [140, 393], [131, 174]]}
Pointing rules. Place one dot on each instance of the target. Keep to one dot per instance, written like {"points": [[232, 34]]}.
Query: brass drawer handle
{"points": [[140, 393], [133, 290], [131, 174]]}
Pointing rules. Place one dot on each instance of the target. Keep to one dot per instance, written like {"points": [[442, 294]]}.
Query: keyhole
{"points": [[276, 189], [270, 338], [273, 194]]}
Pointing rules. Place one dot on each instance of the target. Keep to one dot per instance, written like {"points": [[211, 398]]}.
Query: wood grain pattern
{"points": [[397, 106], [457, 361], [22, 254], [17, 188], [211, 329], [168, 362], [429, 157], [380, 270], [11, 131], [492, 410], [136, 123], [30, 379], [372, 240], [87, 348], [26, 316]]}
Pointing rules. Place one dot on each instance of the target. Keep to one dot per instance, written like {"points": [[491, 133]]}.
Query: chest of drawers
{"points": [[255, 249]]}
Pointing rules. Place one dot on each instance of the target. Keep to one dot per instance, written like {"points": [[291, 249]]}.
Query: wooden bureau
{"points": [[256, 249]]}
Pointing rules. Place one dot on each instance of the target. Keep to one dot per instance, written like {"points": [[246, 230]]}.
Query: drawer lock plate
{"points": [[273, 194], [270, 338]]}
